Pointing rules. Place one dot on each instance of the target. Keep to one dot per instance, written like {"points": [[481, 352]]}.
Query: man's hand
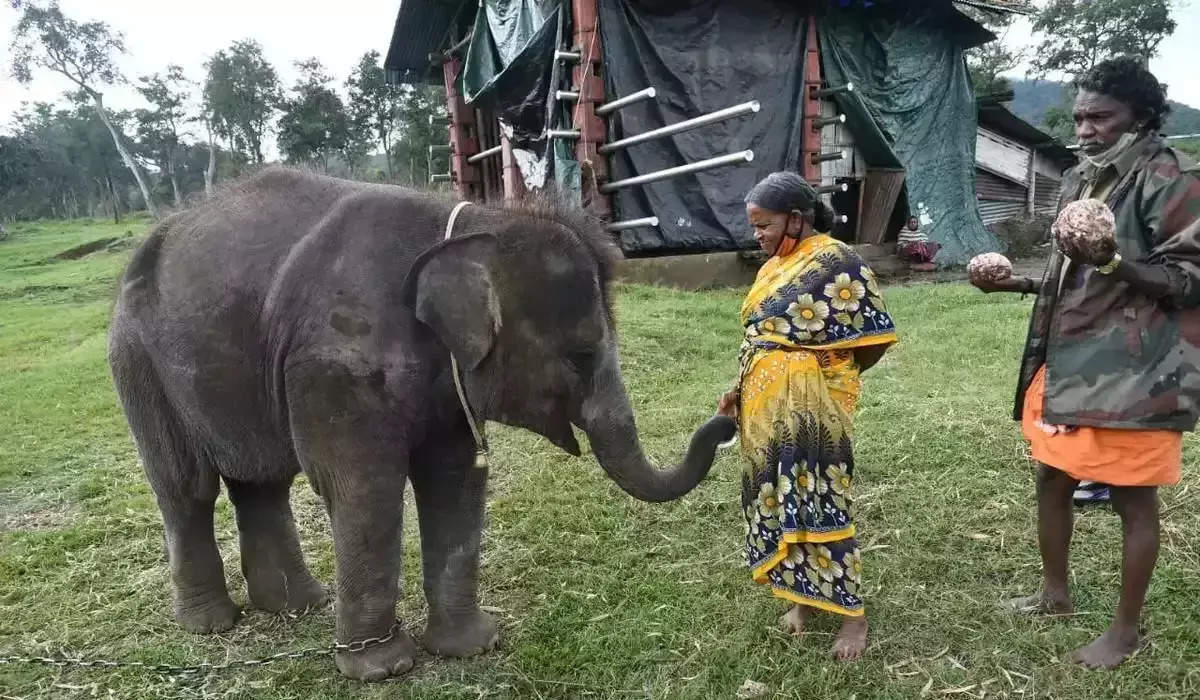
{"points": [[1020, 285], [728, 405], [1097, 252]]}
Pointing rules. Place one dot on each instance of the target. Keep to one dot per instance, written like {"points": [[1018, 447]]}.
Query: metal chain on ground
{"points": [[352, 648]]}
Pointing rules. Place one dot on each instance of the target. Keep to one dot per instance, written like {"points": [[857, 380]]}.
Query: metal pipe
{"points": [[439, 147], [571, 56], [831, 91], [830, 189], [562, 133], [825, 157], [672, 129], [823, 122], [667, 173], [566, 96], [439, 177], [623, 102], [463, 42], [648, 222], [488, 153]]}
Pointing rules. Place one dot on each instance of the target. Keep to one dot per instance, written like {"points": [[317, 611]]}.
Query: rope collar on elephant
{"points": [[477, 430]]}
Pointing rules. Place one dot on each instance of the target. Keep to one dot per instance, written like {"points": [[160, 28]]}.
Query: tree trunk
{"points": [[212, 161], [116, 201], [387, 155], [125, 155]]}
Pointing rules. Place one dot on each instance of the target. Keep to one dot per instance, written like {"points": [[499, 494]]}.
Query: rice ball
{"points": [[989, 267], [1086, 229]]}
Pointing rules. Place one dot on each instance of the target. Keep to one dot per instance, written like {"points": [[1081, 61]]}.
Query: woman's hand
{"points": [[728, 404], [1020, 285]]}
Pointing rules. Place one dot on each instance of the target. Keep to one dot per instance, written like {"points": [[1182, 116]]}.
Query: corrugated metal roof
{"points": [[997, 117], [1019, 7], [422, 26]]}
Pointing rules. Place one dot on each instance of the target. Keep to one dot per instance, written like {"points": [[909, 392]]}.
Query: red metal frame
{"points": [[812, 104], [588, 80], [463, 135]]}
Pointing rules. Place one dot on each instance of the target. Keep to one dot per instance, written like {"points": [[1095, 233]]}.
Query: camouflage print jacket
{"points": [[1116, 357]]}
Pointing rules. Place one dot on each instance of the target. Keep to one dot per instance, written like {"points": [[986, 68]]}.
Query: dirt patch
{"points": [[85, 249], [28, 517], [1023, 236]]}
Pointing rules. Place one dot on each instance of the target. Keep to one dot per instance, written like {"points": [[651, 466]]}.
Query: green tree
{"points": [[241, 97], [375, 105], [82, 53], [987, 63], [417, 130], [76, 170], [1078, 34], [314, 125], [160, 127]]}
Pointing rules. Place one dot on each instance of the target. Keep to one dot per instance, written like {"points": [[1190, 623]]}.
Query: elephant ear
{"points": [[451, 290]]}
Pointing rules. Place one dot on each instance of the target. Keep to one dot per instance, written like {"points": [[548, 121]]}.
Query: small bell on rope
{"points": [[481, 459]]}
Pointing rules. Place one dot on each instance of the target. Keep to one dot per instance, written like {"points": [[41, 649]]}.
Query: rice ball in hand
{"points": [[989, 267], [1086, 232]]}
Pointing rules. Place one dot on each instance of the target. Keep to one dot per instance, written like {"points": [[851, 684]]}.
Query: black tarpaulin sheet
{"points": [[913, 106], [510, 67], [701, 56]]}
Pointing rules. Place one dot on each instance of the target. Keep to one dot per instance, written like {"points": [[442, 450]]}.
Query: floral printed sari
{"points": [[804, 317]]}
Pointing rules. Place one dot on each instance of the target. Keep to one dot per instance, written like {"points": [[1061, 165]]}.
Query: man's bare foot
{"points": [[1041, 604], [1113, 647], [793, 620], [851, 639]]}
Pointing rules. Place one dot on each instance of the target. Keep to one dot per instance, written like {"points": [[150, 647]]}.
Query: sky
{"points": [[1177, 60], [340, 32], [160, 33]]}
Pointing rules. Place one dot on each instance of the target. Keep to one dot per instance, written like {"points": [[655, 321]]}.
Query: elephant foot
{"points": [[277, 591], [467, 635], [376, 663], [207, 617]]}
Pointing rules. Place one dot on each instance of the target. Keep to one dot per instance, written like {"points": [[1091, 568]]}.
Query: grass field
{"points": [[600, 596]]}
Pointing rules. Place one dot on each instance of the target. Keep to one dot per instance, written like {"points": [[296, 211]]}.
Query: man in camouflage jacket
{"points": [[1115, 342]]}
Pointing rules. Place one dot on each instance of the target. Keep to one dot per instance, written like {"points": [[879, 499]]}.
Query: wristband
{"points": [[1111, 266]]}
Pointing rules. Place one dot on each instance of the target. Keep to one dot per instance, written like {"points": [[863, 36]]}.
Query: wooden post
{"points": [[1032, 189], [514, 183], [588, 81], [812, 105], [464, 141]]}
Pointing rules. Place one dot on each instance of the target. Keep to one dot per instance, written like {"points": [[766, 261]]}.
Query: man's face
{"points": [[1100, 121]]}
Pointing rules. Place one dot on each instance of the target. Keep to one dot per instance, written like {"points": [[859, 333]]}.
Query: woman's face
{"points": [[771, 226]]}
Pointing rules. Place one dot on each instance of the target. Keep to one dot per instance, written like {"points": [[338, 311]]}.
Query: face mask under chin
{"points": [[1114, 151]]}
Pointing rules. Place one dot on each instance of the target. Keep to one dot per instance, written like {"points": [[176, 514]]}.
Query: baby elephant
{"points": [[302, 323]]}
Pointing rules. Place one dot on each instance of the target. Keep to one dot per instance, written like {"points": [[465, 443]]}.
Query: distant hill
{"points": [[1034, 97]]}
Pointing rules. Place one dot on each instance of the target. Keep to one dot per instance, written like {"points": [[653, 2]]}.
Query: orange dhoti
{"points": [[1117, 457]]}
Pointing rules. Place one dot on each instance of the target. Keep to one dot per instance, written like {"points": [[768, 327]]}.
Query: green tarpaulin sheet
{"points": [[510, 71], [913, 107]]}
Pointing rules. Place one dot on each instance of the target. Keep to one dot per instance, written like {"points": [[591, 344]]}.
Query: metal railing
{"points": [[667, 173], [686, 125]]}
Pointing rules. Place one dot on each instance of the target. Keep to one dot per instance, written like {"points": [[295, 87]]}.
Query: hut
{"points": [[1019, 168], [659, 116]]}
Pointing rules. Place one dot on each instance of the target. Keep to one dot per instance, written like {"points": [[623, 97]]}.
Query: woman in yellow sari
{"points": [[814, 320]]}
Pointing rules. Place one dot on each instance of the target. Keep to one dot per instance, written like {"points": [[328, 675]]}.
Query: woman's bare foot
{"points": [[1041, 604], [793, 620], [1113, 647], [851, 639]]}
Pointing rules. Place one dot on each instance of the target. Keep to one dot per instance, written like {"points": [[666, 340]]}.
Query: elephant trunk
{"points": [[609, 424]]}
